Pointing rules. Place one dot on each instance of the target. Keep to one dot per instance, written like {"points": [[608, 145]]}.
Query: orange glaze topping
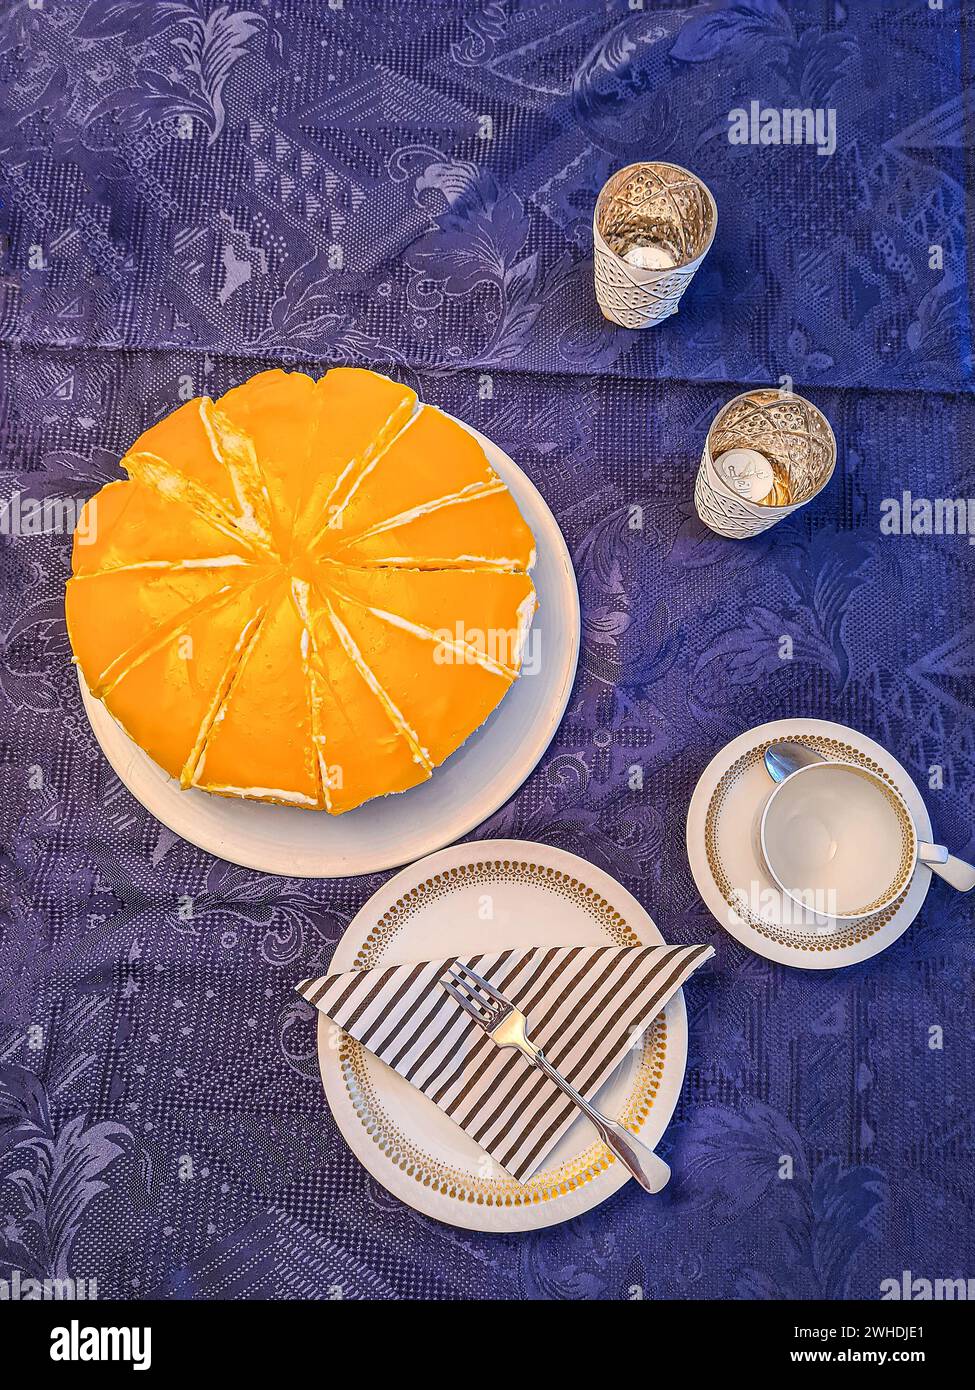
{"points": [[307, 592]]}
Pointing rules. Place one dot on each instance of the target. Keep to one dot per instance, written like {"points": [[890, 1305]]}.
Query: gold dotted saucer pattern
{"points": [[422, 1166], [852, 932]]}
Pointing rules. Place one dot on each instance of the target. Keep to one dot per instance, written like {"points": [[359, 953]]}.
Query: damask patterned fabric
{"points": [[193, 191]]}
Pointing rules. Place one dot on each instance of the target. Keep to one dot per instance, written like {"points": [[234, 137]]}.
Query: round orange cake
{"points": [[306, 592]]}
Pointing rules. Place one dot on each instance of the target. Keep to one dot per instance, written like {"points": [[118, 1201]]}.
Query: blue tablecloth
{"points": [[195, 191]]}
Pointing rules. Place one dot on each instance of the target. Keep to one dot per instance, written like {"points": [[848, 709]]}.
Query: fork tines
{"points": [[474, 994]]}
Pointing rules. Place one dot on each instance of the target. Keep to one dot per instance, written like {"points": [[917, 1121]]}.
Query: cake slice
{"points": [[433, 458], [364, 747], [129, 524], [361, 414], [260, 744], [196, 455], [281, 413], [472, 531], [169, 695], [471, 616], [116, 616], [440, 695]]}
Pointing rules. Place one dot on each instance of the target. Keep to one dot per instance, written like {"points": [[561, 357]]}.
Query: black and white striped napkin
{"points": [[585, 1006]]}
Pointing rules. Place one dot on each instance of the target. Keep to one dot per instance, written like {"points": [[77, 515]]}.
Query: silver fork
{"points": [[507, 1027]]}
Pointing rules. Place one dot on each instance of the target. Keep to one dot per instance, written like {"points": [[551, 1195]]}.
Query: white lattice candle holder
{"points": [[652, 227], [785, 429]]}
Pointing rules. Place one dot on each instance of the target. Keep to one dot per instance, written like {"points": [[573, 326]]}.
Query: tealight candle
{"points": [[747, 472], [652, 257]]}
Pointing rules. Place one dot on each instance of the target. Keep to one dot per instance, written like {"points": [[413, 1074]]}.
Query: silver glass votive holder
{"points": [[652, 227], [763, 439]]}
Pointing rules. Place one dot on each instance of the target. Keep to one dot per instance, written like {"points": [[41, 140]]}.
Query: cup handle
{"points": [[947, 866]]}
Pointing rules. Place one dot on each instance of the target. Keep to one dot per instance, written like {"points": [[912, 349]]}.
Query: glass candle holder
{"points": [[766, 454], [653, 225]]}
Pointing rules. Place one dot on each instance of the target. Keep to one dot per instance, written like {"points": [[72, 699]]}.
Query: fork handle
{"points": [[650, 1171]]}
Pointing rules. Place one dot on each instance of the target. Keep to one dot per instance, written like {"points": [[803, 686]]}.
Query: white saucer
{"points": [[470, 786], [726, 860], [491, 896]]}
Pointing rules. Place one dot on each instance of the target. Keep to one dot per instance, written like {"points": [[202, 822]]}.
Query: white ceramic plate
{"points": [[726, 859], [494, 895], [471, 785]]}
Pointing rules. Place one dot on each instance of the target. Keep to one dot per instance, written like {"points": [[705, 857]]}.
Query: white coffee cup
{"points": [[839, 839]]}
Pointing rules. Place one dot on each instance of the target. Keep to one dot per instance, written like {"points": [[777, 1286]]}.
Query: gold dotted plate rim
{"points": [[852, 941], [397, 1158]]}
